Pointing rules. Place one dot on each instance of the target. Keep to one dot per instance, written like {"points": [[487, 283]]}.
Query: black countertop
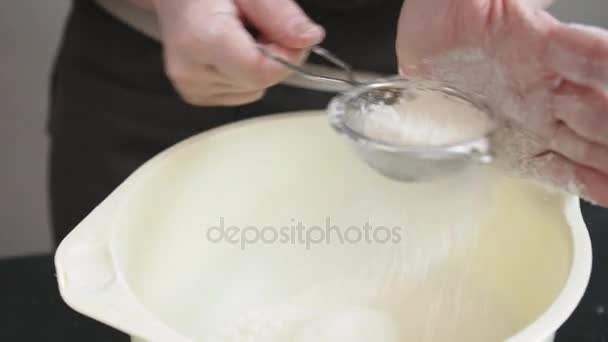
{"points": [[31, 309]]}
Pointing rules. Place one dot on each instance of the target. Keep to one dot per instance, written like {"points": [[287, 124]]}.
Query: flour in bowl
{"points": [[425, 288]]}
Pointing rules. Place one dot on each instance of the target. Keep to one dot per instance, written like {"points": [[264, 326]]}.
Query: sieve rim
{"points": [[337, 117]]}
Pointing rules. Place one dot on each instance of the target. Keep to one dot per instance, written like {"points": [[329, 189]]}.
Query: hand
{"points": [[545, 78], [213, 60]]}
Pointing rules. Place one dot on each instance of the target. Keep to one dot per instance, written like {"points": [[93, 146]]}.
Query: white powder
{"points": [[426, 118], [517, 149], [350, 324], [421, 289], [299, 324], [425, 288]]}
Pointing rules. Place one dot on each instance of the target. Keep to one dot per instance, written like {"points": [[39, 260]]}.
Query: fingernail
{"points": [[306, 28]]}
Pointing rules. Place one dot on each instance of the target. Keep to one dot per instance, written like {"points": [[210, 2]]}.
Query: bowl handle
{"points": [[90, 284]]}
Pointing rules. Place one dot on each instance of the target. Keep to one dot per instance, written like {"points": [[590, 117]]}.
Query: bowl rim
{"points": [[576, 283]]}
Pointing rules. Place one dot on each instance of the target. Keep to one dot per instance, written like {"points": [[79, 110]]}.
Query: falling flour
{"points": [[517, 149], [422, 289]]}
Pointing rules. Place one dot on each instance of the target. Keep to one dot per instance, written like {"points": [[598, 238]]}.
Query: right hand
{"points": [[544, 77], [213, 60]]}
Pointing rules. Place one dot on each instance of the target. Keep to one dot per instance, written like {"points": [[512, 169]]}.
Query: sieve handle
{"points": [[327, 82]]}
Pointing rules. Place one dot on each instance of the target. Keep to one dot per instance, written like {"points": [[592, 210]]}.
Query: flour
{"points": [[425, 288], [517, 149], [347, 323], [352, 324], [420, 289], [426, 118]]}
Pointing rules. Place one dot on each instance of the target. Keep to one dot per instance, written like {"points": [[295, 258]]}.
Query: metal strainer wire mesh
{"points": [[349, 111]]}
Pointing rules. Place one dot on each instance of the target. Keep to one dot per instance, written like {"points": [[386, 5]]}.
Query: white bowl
{"points": [[142, 262]]}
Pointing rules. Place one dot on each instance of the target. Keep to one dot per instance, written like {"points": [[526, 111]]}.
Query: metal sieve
{"points": [[380, 95], [406, 163]]}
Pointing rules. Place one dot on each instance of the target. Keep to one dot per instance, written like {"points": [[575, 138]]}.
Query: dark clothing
{"points": [[362, 35]]}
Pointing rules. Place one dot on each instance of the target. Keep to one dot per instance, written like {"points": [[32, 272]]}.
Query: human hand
{"points": [[213, 60], [547, 80]]}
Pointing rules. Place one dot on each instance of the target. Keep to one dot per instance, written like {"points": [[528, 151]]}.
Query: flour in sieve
{"points": [[426, 118]]}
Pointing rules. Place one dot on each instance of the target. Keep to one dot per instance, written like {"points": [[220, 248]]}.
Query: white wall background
{"points": [[593, 12], [29, 32]]}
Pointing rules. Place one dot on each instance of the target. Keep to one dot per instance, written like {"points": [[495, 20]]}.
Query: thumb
{"points": [[282, 22]]}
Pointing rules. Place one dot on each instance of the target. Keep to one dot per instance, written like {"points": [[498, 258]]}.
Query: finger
{"points": [[220, 97], [583, 109], [580, 53], [235, 99], [578, 179], [209, 77], [231, 49], [292, 56], [283, 22], [262, 71], [204, 81], [226, 87], [206, 75], [566, 142], [190, 73], [193, 81]]}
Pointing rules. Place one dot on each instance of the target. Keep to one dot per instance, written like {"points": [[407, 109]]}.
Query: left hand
{"points": [[211, 57], [546, 77]]}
